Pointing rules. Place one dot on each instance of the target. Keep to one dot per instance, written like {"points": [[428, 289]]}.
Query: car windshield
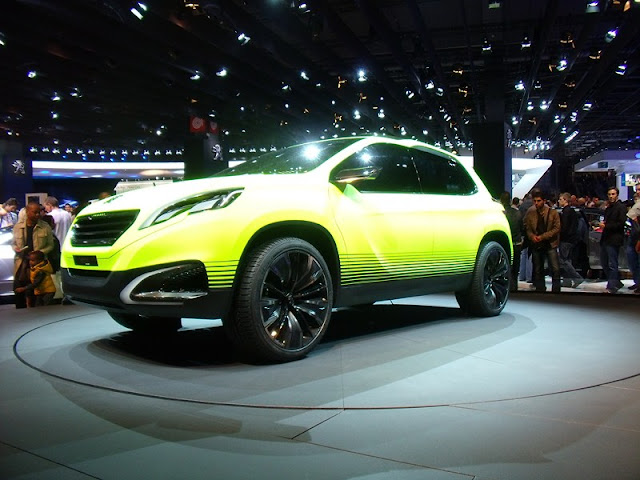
{"points": [[297, 159]]}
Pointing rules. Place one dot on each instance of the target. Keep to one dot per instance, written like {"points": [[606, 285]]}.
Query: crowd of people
{"points": [[551, 235]]}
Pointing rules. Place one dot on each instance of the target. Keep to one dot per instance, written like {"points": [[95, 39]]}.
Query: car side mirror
{"points": [[350, 175]]}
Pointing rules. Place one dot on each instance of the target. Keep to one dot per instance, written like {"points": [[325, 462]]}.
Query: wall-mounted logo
{"points": [[217, 151], [19, 167]]}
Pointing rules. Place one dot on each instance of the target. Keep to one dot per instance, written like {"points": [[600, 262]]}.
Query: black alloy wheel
{"points": [[283, 304]]}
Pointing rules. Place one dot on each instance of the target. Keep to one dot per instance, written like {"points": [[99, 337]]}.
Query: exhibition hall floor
{"points": [[409, 389]]}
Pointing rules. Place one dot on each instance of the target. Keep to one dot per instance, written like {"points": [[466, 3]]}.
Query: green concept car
{"points": [[272, 245]]}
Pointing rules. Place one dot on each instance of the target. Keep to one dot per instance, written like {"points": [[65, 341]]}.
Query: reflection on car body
{"points": [[272, 245], [6, 261]]}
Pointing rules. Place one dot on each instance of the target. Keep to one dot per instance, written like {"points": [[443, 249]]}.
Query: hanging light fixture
{"points": [[622, 68]]}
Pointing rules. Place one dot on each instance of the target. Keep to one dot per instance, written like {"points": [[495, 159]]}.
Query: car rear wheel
{"points": [[142, 324], [283, 303], [488, 292]]}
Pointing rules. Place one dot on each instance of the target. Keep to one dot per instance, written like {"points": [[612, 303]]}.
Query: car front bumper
{"points": [[159, 291]]}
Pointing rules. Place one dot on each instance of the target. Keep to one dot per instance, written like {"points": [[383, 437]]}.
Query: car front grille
{"points": [[101, 229]]}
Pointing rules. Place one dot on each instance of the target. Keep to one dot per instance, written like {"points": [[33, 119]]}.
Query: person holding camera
{"points": [[542, 227]]}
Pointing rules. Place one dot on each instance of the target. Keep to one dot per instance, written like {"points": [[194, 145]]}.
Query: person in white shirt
{"points": [[61, 217]]}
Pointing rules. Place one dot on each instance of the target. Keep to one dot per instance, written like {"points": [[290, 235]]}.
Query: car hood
{"points": [[151, 198]]}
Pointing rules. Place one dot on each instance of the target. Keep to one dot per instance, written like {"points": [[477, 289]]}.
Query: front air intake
{"points": [[101, 229]]}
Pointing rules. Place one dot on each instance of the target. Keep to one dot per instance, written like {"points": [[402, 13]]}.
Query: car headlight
{"points": [[194, 204]]}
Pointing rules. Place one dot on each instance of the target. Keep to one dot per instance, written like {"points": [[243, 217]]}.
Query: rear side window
{"points": [[397, 172], [442, 175]]}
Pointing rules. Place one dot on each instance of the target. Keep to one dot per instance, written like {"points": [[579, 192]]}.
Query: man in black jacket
{"points": [[568, 239], [612, 239]]}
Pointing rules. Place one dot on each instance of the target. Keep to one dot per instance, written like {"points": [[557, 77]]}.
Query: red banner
{"points": [[197, 125]]}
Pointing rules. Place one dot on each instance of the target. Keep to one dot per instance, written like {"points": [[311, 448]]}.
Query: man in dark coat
{"points": [[568, 239], [612, 239]]}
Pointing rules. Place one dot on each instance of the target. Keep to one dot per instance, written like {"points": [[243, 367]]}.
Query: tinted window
{"points": [[397, 173], [442, 175], [297, 159]]}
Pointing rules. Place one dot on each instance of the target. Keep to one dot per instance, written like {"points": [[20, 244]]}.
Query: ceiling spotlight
{"points": [[381, 113], [139, 11], [429, 85], [514, 120], [556, 119], [562, 64], [571, 136], [486, 46], [303, 75], [285, 87], [440, 91], [519, 86], [362, 75], [544, 105], [567, 39], [526, 43], [570, 82], [611, 35], [622, 68], [2, 41], [356, 115], [530, 105], [244, 39], [54, 115], [32, 74], [563, 104], [593, 7], [458, 69], [595, 54], [195, 76], [537, 85], [587, 106], [574, 116], [222, 72], [56, 97], [409, 93]]}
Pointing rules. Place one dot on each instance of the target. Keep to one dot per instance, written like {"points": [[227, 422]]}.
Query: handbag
{"points": [[22, 274]]}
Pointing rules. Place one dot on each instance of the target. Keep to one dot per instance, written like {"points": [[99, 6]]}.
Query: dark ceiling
{"points": [[122, 80]]}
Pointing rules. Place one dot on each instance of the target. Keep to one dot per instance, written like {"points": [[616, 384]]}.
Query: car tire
{"points": [[148, 325], [488, 292], [283, 302]]}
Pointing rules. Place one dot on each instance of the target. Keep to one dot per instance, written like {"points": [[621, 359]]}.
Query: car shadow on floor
{"points": [[210, 346]]}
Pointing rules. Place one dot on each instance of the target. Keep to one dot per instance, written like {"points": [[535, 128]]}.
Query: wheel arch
{"points": [[501, 238], [315, 234]]}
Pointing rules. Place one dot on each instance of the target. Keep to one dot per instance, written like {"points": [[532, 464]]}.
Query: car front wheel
{"points": [[488, 292], [283, 303]]}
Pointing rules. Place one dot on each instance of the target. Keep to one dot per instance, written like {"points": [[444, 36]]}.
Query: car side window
{"points": [[442, 175], [396, 172]]}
